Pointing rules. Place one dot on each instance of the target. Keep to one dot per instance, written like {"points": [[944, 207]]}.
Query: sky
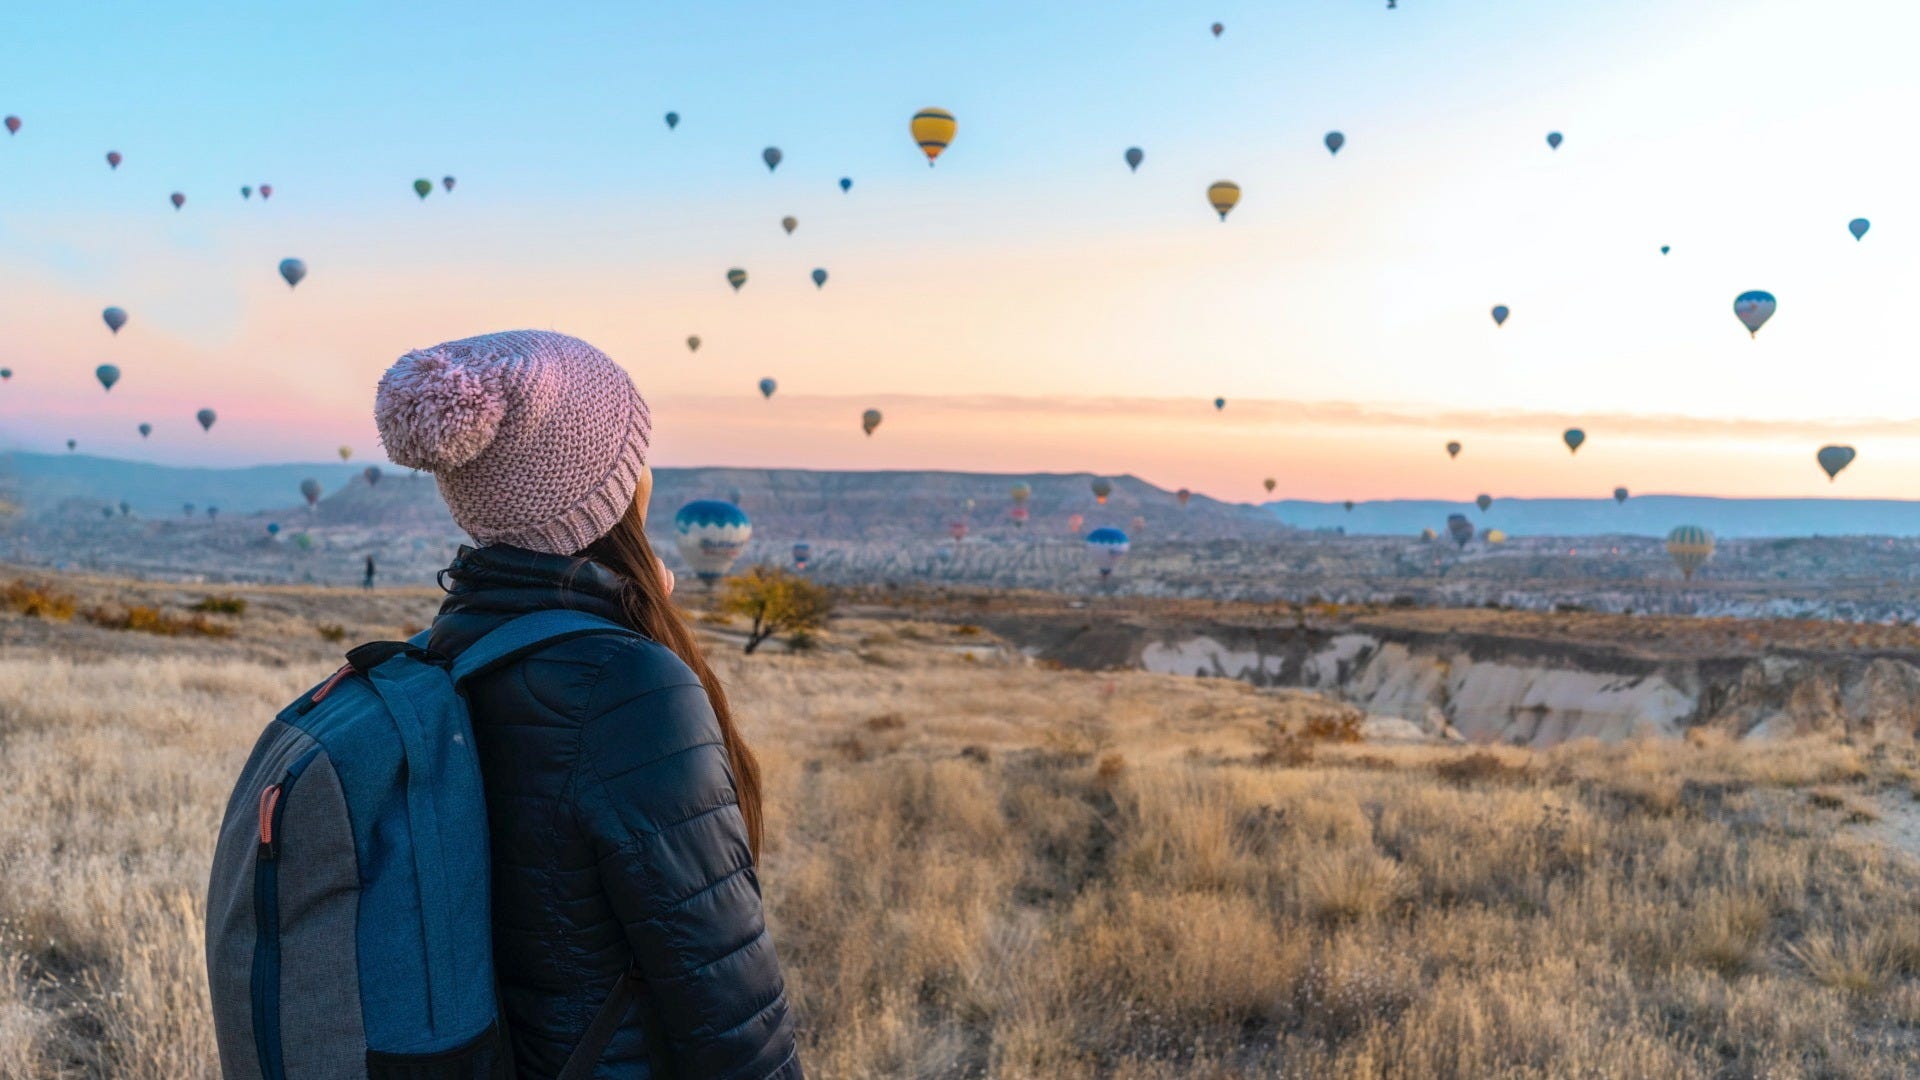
{"points": [[1028, 304]]}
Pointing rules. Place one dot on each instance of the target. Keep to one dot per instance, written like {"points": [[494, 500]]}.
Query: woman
{"points": [[623, 804]]}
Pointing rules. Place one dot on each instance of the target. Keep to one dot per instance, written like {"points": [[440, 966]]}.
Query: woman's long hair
{"points": [[648, 609]]}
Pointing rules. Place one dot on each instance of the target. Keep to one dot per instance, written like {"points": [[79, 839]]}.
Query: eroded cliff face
{"points": [[1534, 691]]}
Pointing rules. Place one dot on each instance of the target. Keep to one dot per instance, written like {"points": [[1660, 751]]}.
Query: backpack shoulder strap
{"points": [[516, 638], [600, 1032]]}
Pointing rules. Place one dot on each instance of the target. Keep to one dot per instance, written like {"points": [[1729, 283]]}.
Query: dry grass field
{"points": [[981, 868]]}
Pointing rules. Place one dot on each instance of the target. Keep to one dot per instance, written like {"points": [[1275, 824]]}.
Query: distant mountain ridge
{"points": [[1641, 515]]}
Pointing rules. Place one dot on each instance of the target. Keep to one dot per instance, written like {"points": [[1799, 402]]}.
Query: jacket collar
{"points": [[487, 586]]}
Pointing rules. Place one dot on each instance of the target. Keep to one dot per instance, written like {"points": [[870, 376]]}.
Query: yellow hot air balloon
{"points": [[346, 452], [1495, 536], [933, 129], [1224, 195]]}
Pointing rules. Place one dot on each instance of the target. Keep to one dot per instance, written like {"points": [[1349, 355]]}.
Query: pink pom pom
{"points": [[437, 412]]}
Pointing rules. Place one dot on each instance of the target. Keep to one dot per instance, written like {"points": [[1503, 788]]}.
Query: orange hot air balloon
{"points": [[933, 129], [1074, 521]]}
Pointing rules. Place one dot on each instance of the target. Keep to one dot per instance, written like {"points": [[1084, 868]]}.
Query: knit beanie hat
{"points": [[535, 438]]}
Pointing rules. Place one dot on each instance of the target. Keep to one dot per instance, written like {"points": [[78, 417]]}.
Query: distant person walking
{"points": [[368, 582], [624, 805]]}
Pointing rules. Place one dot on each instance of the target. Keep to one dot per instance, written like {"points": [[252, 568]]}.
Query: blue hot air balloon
{"points": [[273, 528], [1500, 314], [293, 270], [802, 554], [1834, 458], [1460, 529], [1753, 309], [1335, 141], [819, 278], [846, 183], [108, 374], [767, 387], [673, 120], [1134, 157], [115, 318], [146, 430], [1553, 139], [1219, 403], [1573, 437], [1858, 227], [711, 534], [771, 155], [1107, 546], [1664, 248]]}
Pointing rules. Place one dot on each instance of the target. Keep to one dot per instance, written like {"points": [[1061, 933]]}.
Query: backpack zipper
{"points": [[266, 919]]}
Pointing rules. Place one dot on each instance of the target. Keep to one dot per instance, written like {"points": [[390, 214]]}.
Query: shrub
{"points": [[148, 620], [333, 632], [1478, 767], [39, 601], [778, 602], [221, 605]]}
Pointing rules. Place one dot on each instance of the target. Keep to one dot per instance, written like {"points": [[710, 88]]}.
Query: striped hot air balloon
{"points": [[711, 534], [1108, 547], [1690, 546], [933, 129]]}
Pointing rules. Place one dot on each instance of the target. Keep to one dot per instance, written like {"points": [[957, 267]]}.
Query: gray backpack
{"points": [[348, 926]]}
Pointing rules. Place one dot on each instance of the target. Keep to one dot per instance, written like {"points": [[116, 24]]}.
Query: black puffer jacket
{"points": [[617, 840]]}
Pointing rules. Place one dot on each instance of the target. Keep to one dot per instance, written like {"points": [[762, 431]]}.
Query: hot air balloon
{"points": [[178, 200], [294, 270], [1183, 497], [126, 508], [1018, 515], [802, 554], [1573, 437], [767, 387], [1664, 248], [187, 510], [1553, 140], [303, 541], [1428, 536], [213, 512], [72, 445], [1753, 310], [1335, 141], [1619, 495], [1460, 529], [1499, 314], [673, 120], [266, 191], [423, 187], [113, 159], [1074, 521], [273, 528], [1224, 195], [846, 183], [819, 278], [6, 373], [1834, 458], [1101, 489], [1270, 483], [1218, 29], [1483, 502], [146, 430], [1453, 449], [1107, 547], [1349, 505], [108, 374], [372, 473], [1495, 536], [345, 452], [13, 125], [736, 277], [957, 529], [1690, 546], [789, 223], [206, 418], [1134, 156], [693, 342], [115, 318], [1858, 227], [933, 129], [869, 420], [1021, 492], [711, 534], [1219, 403], [246, 191], [771, 155], [311, 491], [447, 182]]}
